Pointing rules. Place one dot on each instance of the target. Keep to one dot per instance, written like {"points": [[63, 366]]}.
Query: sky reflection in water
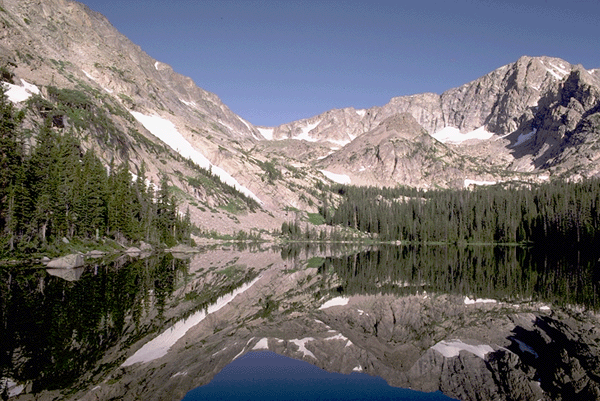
{"points": [[267, 376]]}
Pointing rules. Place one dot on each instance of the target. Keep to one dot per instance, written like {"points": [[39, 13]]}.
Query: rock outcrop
{"points": [[67, 262]]}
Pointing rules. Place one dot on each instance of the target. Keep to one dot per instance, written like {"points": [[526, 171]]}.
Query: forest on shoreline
{"points": [[56, 191], [549, 214]]}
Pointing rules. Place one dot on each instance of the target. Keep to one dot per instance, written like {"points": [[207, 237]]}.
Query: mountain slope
{"points": [[492, 119], [400, 151], [528, 120], [154, 116]]}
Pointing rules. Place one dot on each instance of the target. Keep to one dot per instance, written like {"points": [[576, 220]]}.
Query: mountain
{"points": [[531, 116], [530, 120], [145, 113]]}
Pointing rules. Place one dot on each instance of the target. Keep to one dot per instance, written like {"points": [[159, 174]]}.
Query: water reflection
{"points": [[568, 277], [72, 333], [57, 326], [267, 376]]}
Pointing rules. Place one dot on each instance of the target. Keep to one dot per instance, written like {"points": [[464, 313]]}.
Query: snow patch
{"points": [[87, 74], [339, 142], [357, 369], [159, 346], [180, 374], [156, 65], [166, 131], [452, 348], [545, 308], [263, 343], [190, 104], [338, 178], [559, 69], [469, 301], [339, 336], [554, 74], [245, 122], [469, 182], [361, 112], [17, 94], [453, 135], [302, 346], [305, 132], [524, 138], [338, 301], [267, 133], [525, 348]]}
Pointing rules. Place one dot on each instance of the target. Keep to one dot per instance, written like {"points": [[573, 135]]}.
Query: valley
{"points": [[443, 242]]}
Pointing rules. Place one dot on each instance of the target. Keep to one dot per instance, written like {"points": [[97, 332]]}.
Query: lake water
{"points": [[160, 326], [267, 376]]}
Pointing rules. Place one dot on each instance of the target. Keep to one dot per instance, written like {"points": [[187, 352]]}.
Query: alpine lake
{"points": [[305, 322]]}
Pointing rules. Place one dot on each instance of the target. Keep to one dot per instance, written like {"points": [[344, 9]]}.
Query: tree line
{"points": [[55, 189], [507, 273], [554, 212]]}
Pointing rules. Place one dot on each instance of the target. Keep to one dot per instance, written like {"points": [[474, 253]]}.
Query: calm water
{"points": [[69, 332], [267, 376]]}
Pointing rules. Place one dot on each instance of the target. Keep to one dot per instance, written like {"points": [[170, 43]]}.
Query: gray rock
{"points": [[145, 246], [95, 254], [133, 251], [67, 274], [67, 262]]}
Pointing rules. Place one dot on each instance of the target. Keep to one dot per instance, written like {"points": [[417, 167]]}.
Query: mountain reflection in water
{"points": [[267, 376], [468, 321]]}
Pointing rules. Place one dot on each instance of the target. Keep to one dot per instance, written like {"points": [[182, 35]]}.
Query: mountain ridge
{"points": [[527, 121]]}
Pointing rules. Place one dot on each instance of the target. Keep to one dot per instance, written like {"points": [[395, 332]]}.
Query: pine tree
{"points": [[11, 153]]}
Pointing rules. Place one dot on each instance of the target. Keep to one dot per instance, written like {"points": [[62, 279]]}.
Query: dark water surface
{"points": [[57, 330], [267, 376]]}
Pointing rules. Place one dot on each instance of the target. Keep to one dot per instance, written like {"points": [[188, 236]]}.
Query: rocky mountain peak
{"points": [[402, 125]]}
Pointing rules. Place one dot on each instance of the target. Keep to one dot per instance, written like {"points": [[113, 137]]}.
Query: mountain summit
{"points": [[530, 120]]}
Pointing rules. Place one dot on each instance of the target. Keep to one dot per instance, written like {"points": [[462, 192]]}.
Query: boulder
{"points": [[67, 274], [133, 251], [145, 247], [96, 254], [67, 262]]}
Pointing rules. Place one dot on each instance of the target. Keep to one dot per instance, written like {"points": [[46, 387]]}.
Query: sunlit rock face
{"points": [[431, 328]]}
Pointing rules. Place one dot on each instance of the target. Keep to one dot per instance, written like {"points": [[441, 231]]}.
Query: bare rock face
{"points": [[496, 100], [400, 151], [532, 107]]}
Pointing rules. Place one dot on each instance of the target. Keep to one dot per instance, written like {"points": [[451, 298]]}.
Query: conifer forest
{"points": [[56, 190]]}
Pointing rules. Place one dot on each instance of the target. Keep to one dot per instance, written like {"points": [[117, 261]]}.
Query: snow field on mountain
{"points": [[453, 135], [338, 301], [166, 131], [267, 133], [17, 94], [524, 138], [305, 133], [159, 346], [451, 349], [337, 178]]}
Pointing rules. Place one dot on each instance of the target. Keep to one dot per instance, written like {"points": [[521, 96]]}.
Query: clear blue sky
{"points": [[274, 62]]}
